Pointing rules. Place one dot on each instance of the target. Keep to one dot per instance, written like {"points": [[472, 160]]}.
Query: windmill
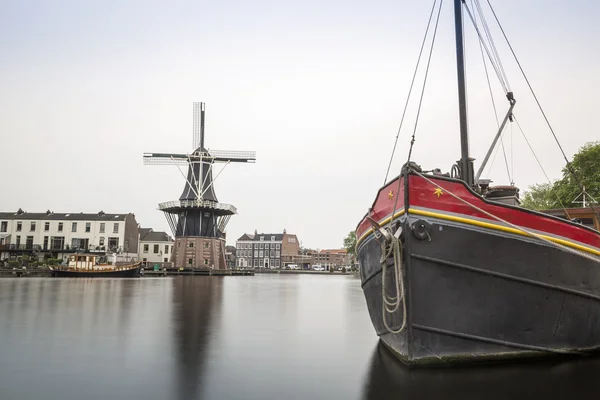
{"points": [[197, 219]]}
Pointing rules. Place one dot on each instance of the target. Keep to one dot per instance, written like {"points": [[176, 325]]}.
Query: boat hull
{"points": [[479, 294], [124, 273]]}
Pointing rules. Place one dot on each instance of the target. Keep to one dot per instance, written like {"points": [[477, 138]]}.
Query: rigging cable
{"points": [[488, 34], [419, 111], [540, 164], [412, 141], [487, 77], [410, 90], [569, 166], [492, 61]]}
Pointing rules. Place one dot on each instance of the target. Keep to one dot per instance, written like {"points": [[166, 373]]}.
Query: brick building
{"points": [[266, 250], [332, 258]]}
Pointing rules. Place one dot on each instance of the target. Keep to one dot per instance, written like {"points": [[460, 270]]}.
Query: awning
{"points": [[4, 235]]}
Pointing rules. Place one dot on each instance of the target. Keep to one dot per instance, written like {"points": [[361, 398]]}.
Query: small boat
{"points": [[455, 271], [86, 266]]}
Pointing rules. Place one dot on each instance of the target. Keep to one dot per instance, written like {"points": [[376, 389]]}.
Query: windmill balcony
{"points": [[170, 205]]}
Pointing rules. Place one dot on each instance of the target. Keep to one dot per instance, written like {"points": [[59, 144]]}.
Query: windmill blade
{"points": [[233, 155], [198, 125], [165, 159]]}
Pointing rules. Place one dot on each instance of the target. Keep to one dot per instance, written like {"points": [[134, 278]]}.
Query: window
{"points": [[262, 245], [272, 238], [166, 259], [46, 226], [146, 248], [18, 243], [277, 254], [113, 243], [155, 249], [277, 262], [239, 245], [4, 226], [205, 261], [144, 259], [74, 227], [178, 243], [190, 261], [260, 254], [29, 242], [277, 246], [45, 242], [191, 244], [32, 227], [292, 240], [256, 262], [206, 245], [101, 241], [272, 253], [88, 226], [19, 226], [262, 238], [255, 253], [116, 227], [102, 227], [166, 249], [60, 226]]}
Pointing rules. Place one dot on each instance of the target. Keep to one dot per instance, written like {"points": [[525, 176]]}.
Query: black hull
{"points": [[475, 294], [128, 273]]}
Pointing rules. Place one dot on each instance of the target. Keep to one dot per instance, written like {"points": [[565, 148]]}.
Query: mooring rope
{"points": [[390, 304]]}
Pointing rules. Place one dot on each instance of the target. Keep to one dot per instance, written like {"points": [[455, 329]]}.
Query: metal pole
{"points": [[465, 162]]}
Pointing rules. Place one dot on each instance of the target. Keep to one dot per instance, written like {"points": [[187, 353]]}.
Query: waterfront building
{"points": [[58, 235], [155, 246], [230, 256], [266, 250], [331, 258]]}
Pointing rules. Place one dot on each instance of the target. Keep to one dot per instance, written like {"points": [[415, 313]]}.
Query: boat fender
{"points": [[421, 229]]}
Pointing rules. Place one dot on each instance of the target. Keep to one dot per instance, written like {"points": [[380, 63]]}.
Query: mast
{"points": [[466, 164]]}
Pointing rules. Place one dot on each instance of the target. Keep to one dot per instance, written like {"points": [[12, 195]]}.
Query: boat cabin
{"points": [[86, 262], [586, 216]]}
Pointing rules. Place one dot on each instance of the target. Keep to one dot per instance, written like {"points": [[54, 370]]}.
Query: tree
{"points": [[540, 196], [350, 245], [584, 171]]}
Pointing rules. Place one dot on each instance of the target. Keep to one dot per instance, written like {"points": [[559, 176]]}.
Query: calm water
{"points": [[262, 337]]}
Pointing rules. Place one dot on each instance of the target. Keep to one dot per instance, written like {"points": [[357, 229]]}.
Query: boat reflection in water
{"points": [[388, 378]]}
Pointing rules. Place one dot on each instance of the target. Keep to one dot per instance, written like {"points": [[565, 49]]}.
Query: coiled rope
{"points": [[390, 304]]}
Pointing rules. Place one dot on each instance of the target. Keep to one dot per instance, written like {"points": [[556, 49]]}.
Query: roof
{"points": [[52, 216], [246, 236], [267, 236], [334, 251], [144, 231], [152, 236]]}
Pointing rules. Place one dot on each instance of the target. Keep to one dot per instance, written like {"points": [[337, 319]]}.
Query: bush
{"points": [[343, 270], [13, 263]]}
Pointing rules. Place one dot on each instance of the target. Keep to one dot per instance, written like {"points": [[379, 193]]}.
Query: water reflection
{"points": [[196, 301], [389, 379]]}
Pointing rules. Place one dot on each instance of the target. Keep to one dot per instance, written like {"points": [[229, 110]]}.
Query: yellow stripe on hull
{"points": [[503, 229]]}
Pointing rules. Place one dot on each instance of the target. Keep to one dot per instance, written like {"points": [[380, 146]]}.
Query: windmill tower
{"points": [[197, 219]]}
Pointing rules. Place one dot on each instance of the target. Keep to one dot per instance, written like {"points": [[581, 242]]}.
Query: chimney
{"points": [[256, 232], [284, 232]]}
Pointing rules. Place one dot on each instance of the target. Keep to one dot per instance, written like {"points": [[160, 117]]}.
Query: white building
{"points": [[61, 234], [154, 246]]}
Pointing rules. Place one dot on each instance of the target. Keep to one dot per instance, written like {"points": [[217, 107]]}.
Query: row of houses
{"points": [[282, 250], [57, 235]]}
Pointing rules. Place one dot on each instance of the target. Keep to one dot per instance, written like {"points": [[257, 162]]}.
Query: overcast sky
{"points": [[316, 88]]}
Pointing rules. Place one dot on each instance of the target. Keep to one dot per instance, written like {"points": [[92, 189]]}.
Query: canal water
{"points": [[262, 337]]}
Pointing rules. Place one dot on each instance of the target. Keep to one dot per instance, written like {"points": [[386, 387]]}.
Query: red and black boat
{"points": [[455, 271]]}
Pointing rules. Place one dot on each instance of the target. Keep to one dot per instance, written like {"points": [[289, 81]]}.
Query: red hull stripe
{"points": [[428, 200]]}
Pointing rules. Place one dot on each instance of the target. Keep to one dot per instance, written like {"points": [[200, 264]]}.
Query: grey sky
{"points": [[315, 87]]}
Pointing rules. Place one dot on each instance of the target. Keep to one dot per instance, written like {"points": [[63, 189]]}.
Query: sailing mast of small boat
{"points": [[453, 270]]}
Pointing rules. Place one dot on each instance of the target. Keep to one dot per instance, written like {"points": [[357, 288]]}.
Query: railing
{"points": [[196, 204]]}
